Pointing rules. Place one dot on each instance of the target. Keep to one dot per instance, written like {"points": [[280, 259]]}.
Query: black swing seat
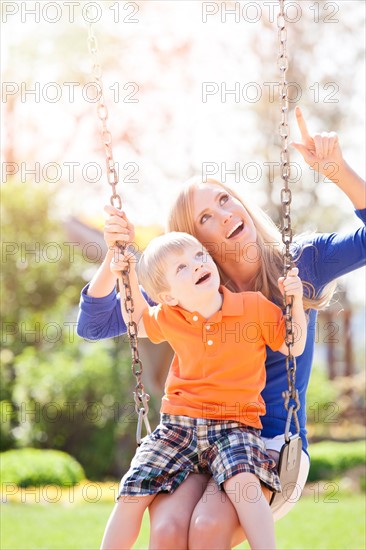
{"points": [[288, 471]]}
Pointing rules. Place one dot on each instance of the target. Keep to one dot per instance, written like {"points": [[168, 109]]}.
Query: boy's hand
{"points": [[122, 262], [291, 285]]}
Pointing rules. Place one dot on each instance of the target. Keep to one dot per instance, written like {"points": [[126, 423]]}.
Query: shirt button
{"points": [[208, 327], [209, 342], [195, 318]]}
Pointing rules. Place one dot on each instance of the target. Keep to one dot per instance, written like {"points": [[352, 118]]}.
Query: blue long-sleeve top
{"points": [[323, 258]]}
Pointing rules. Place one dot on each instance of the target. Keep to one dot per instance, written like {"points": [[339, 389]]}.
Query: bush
{"points": [[7, 414], [56, 391], [330, 459], [321, 399], [76, 403], [34, 467]]}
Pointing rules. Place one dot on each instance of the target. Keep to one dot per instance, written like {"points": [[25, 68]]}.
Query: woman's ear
{"points": [[166, 298]]}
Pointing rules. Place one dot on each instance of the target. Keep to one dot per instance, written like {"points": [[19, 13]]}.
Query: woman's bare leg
{"points": [[215, 523], [170, 514]]}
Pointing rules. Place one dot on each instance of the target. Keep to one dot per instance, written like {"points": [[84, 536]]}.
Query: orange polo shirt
{"points": [[218, 370]]}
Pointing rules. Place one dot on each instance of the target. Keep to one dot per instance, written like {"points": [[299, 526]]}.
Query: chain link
{"points": [[290, 396], [141, 398]]}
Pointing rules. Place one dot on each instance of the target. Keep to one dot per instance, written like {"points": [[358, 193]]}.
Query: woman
{"points": [[247, 249]]}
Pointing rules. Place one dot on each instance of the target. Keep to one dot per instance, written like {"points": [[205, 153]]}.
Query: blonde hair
{"points": [[155, 260], [269, 243]]}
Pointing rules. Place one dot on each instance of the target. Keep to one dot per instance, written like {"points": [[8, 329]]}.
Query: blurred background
{"points": [[188, 85]]}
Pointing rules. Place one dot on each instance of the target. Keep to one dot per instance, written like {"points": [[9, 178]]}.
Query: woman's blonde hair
{"points": [[269, 243], [155, 260]]}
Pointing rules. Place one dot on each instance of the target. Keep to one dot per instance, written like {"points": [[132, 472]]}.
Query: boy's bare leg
{"points": [[255, 516], [124, 523], [170, 514]]}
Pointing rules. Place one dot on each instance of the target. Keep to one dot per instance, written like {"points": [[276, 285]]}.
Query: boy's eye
{"points": [[180, 267], [199, 254]]}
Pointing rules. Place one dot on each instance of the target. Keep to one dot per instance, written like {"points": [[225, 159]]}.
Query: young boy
{"points": [[212, 405]]}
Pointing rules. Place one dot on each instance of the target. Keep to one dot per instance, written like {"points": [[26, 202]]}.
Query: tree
{"points": [[57, 390]]}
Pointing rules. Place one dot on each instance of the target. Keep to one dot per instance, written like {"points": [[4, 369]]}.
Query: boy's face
{"points": [[192, 276]]}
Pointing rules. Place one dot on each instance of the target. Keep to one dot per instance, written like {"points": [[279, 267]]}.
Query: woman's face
{"points": [[222, 223]]}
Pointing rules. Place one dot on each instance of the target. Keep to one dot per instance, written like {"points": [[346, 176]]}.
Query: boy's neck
{"points": [[213, 307], [210, 307]]}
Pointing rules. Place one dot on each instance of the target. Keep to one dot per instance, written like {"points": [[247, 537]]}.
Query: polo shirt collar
{"points": [[232, 306]]}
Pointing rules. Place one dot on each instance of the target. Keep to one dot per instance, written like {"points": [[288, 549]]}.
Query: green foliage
{"points": [[363, 483], [335, 408], [57, 391], [41, 274], [40, 280], [321, 397], [35, 467], [7, 414], [73, 403], [329, 459]]}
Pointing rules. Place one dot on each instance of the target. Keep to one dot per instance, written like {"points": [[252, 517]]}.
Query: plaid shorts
{"points": [[181, 445]]}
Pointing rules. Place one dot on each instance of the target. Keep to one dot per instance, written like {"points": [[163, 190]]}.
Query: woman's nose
{"points": [[226, 217]]}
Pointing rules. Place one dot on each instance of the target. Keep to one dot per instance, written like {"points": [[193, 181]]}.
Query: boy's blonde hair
{"points": [[269, 243], [154, 261]]}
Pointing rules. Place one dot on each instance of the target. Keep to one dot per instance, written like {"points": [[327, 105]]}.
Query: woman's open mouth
{"points": [[234, 231]]}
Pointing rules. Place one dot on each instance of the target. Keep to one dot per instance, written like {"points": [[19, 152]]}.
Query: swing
{"points": [[290, 454]]}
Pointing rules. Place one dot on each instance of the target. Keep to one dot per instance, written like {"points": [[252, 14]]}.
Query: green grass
{"points": [[333, 522]]}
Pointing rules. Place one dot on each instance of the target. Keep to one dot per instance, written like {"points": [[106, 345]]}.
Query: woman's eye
{"points": [[180, 267], [199, 254], [224, 198], [204, 218]]}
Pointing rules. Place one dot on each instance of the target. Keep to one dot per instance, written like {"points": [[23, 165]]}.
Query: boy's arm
{"points": [[292, 286], [121, 262]]}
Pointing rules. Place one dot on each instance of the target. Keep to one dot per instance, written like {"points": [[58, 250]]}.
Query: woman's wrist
{"points": [[352, 185], [342, 173]]}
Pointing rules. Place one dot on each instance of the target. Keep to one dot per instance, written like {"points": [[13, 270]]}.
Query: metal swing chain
{"points": [[141, 398], [292, 393]]}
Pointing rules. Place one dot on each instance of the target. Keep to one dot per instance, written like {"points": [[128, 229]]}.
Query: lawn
{"points": [[317, 522]]}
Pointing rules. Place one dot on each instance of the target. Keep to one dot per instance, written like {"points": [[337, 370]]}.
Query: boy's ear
{"points": [[166, 298]]}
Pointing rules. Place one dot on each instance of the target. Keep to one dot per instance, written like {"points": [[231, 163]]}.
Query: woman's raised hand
{"points": [[117, 227], [321, 152]]}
